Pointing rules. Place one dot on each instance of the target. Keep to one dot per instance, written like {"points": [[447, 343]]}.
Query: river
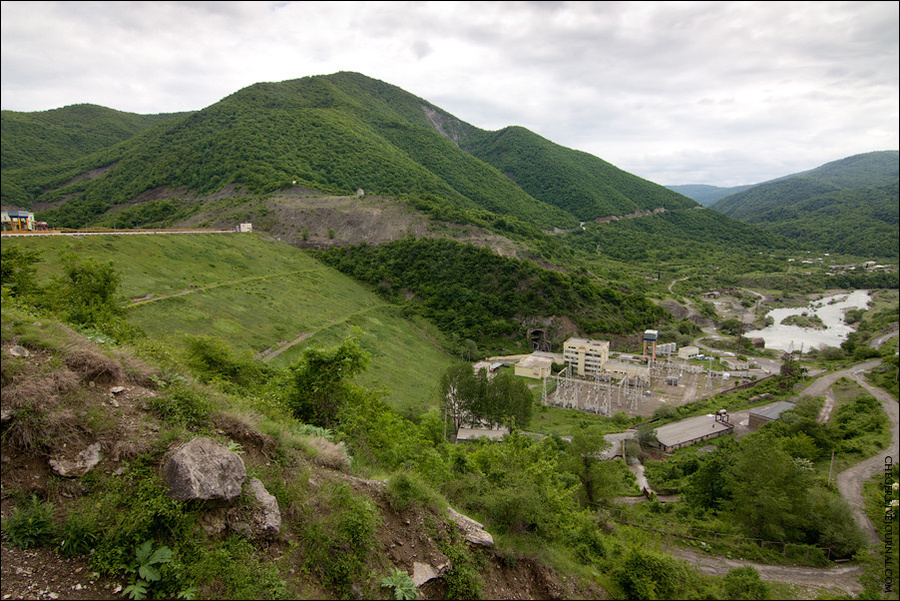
{"points": [[829, 309]]}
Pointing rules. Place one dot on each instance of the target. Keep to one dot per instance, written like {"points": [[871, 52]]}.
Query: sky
{"points": [[717, 93]]}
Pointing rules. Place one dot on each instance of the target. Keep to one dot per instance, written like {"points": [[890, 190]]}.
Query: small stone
{"points": [[117, 389]]}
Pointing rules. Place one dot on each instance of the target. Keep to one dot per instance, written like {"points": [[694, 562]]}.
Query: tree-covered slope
{"points": [[336, 133], [471, 293], [848, 206], [60, 135], [339, 133], [577, 182]]}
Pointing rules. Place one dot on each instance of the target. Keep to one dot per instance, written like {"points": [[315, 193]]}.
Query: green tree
{"points": [[586, 462], [768, 490], [86, 294], [459, 391], [321, 381], [18, 267]]}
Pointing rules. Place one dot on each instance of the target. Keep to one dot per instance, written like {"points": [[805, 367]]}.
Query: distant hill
{"points": [[60, 135], [848, 206], [707, 195]]}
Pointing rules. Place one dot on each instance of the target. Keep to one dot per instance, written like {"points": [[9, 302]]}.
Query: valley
{"points": [[387, 248]]}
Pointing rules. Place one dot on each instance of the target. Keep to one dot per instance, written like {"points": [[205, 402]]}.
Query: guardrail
{"points": [[117, 232]]}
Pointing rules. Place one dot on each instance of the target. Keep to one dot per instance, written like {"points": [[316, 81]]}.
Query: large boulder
{"points": [[204, 470]]}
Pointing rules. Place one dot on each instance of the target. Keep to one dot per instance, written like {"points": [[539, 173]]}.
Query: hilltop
{"points": [[848, 206]]}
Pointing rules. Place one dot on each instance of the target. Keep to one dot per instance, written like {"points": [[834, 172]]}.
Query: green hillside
{"points": [[257, 295], [848, 206], [473, 294], [322, 132], [61, 135], [577, 182]]}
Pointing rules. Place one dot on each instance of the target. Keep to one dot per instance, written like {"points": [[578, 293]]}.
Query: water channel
{"points": [[830, 310]]}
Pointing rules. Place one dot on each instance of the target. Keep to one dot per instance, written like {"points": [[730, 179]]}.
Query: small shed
{"points": [[769, 413], [535, 366]]}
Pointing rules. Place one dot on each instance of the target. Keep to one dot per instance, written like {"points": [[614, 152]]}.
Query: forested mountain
{"points": [[577, 182], [707, 195], [848, 206], [60, 135], [339, 133]]}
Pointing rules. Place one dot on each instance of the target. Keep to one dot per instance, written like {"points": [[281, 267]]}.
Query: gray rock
{"points": [[85, 462], [475, 532], [19, 351], [203, 469], [422, 573], [267, 516]]}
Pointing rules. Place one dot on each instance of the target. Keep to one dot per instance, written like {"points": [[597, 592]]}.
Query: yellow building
{"points": [[587, 357], [535, 366]]}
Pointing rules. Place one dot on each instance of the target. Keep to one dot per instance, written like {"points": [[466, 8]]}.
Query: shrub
{"points": [[407, 489], [31, 526], [182, 405], [744, 583]]}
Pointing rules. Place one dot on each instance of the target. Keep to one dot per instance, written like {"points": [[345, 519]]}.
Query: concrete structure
{"points": [[688, 352], [245, 228], [476, 433], [586, 357], [669, 348], [535, 366], [769, 413], [689, 431]]}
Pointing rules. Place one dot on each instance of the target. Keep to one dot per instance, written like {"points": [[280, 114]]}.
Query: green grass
{"points": [[256, 294]]}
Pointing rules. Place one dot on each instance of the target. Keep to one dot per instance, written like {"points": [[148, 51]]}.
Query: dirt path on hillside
{"points": [[851, 480], [845, 578], [272, 352]]}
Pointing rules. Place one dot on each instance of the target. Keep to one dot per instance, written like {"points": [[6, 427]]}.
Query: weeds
{"points": [[31, 526], [401, 585]]}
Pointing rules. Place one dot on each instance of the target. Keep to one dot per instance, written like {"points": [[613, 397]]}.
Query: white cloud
{"points": [[750, 90]]}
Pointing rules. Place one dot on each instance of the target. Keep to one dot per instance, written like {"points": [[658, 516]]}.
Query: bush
{"points": [[407, 489], [744, 583], [181, 405], [31, 526], [401, 584]]}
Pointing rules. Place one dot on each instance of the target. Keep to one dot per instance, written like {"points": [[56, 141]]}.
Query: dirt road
{"points": [[844, 578], [851, 480]]}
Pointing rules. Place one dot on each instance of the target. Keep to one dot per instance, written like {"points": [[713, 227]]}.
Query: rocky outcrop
{"points": [[204, 470], [83, 463], [474, 532]]}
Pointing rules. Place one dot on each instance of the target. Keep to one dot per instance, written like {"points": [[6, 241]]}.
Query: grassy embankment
{"points": [[256, 295]]}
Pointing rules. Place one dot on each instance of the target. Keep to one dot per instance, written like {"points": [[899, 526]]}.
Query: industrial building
{"points": [[688, 352], [763, 415], [692, 430], [586, 357]]}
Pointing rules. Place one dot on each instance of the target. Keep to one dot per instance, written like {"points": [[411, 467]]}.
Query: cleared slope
{"points": [[255, 295]]}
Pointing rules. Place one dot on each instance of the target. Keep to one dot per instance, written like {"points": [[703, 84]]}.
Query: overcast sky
{"points": [[720, 93]]}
